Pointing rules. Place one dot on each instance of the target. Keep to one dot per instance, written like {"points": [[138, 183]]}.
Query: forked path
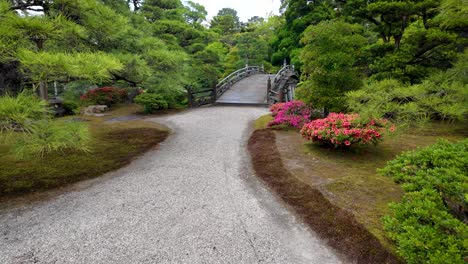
{"points": [[192, 200]]}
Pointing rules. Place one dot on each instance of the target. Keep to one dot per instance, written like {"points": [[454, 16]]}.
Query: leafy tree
{"points": [[155, 10], [227, 21], [195, 13], [299, 14], [252, 49], [330, 56]]}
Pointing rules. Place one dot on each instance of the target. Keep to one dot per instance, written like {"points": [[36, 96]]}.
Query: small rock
{"points": [[94, 109]]}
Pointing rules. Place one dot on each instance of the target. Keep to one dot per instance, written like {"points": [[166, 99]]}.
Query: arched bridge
{"points": [[249, 86]]}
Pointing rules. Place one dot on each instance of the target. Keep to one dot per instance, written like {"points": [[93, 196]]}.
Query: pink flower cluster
{"points": [[294, 113], [345, 130]]}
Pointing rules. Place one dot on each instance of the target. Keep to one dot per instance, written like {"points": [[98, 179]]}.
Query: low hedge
{"points": [[428, 225]]}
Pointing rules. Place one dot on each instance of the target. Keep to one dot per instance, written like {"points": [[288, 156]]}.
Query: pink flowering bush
{"points": [[294, 113], [274, 109], [345, 130]]}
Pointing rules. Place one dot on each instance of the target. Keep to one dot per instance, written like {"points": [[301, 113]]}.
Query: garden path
{"points": [[194, 199]]}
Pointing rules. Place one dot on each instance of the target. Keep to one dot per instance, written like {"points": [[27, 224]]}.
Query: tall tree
{"points": [[330, 56], [227, 21]]}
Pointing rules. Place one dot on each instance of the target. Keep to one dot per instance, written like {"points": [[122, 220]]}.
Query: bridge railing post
{"points": [[268, 90], [189, 96], [213, 95]]}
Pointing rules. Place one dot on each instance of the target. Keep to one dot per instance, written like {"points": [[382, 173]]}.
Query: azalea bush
{"points": [[340, 129], [105, 96], [294, 113]]}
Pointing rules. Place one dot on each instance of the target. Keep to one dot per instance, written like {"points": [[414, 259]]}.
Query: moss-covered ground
{"points": [[113, 146]]}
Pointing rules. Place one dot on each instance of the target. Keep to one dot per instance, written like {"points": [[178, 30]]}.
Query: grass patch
{"points": [[113, 146], [262, 121]]}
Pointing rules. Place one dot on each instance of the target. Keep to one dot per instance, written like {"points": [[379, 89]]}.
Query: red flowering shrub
{"points": [[105, 96], [294, 113], [345, 130]]}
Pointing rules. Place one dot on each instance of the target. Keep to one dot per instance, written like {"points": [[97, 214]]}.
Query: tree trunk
{"points": [[43, 91]]}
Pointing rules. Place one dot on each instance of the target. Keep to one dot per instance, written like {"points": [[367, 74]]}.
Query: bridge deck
{"points": [[251, 90]]}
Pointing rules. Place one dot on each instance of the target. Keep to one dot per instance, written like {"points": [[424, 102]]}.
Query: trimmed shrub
{"points": [[294, 114], [429, 224], [105, 96], [151, 102], [345, 130]]}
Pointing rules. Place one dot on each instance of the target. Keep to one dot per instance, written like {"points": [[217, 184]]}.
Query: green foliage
{"points": [[20, 112], [47, 136], [151, 102], [330, 55], [226, 22], [155, 10], [48, 67], [252, 49], [444, 96], [26, 126], [453, 15], [425, 225], [413, 61], [424, 231]]}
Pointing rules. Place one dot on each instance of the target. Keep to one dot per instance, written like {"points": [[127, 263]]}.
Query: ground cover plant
{"points": [[112, 146], [430, 222]]}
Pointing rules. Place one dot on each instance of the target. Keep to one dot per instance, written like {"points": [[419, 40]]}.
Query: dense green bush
{"points": [[429, 224], [151, 102], [442, 96], [70, 107]]}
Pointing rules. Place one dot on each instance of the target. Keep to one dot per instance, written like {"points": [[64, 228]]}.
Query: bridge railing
{"points": [[283, 87], [236, 76], [209, 96]]}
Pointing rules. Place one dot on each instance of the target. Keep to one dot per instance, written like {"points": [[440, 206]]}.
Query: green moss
{"points": [[262, 121]]}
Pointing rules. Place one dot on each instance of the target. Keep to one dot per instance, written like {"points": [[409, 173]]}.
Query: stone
{"points": [[94, 109]]}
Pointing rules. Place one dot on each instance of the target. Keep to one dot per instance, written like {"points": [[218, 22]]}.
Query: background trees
{"points": [[408, 41]]}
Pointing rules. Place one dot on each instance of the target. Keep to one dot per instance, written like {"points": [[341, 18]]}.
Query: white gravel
{"points": [[192, 200]]}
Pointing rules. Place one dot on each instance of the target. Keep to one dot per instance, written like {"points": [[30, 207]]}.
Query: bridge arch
{"points": [[283, 86]]}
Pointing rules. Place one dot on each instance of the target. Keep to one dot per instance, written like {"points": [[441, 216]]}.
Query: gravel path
{"points": [[193, 200]]}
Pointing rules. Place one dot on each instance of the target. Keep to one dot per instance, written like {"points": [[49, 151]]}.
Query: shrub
{"points": [[294, 113], [70, 107], [274, 109], [151, 102], [19, 113], [442, 167], [428, 225], [345, 130], [105, 96], [431, 99]]}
